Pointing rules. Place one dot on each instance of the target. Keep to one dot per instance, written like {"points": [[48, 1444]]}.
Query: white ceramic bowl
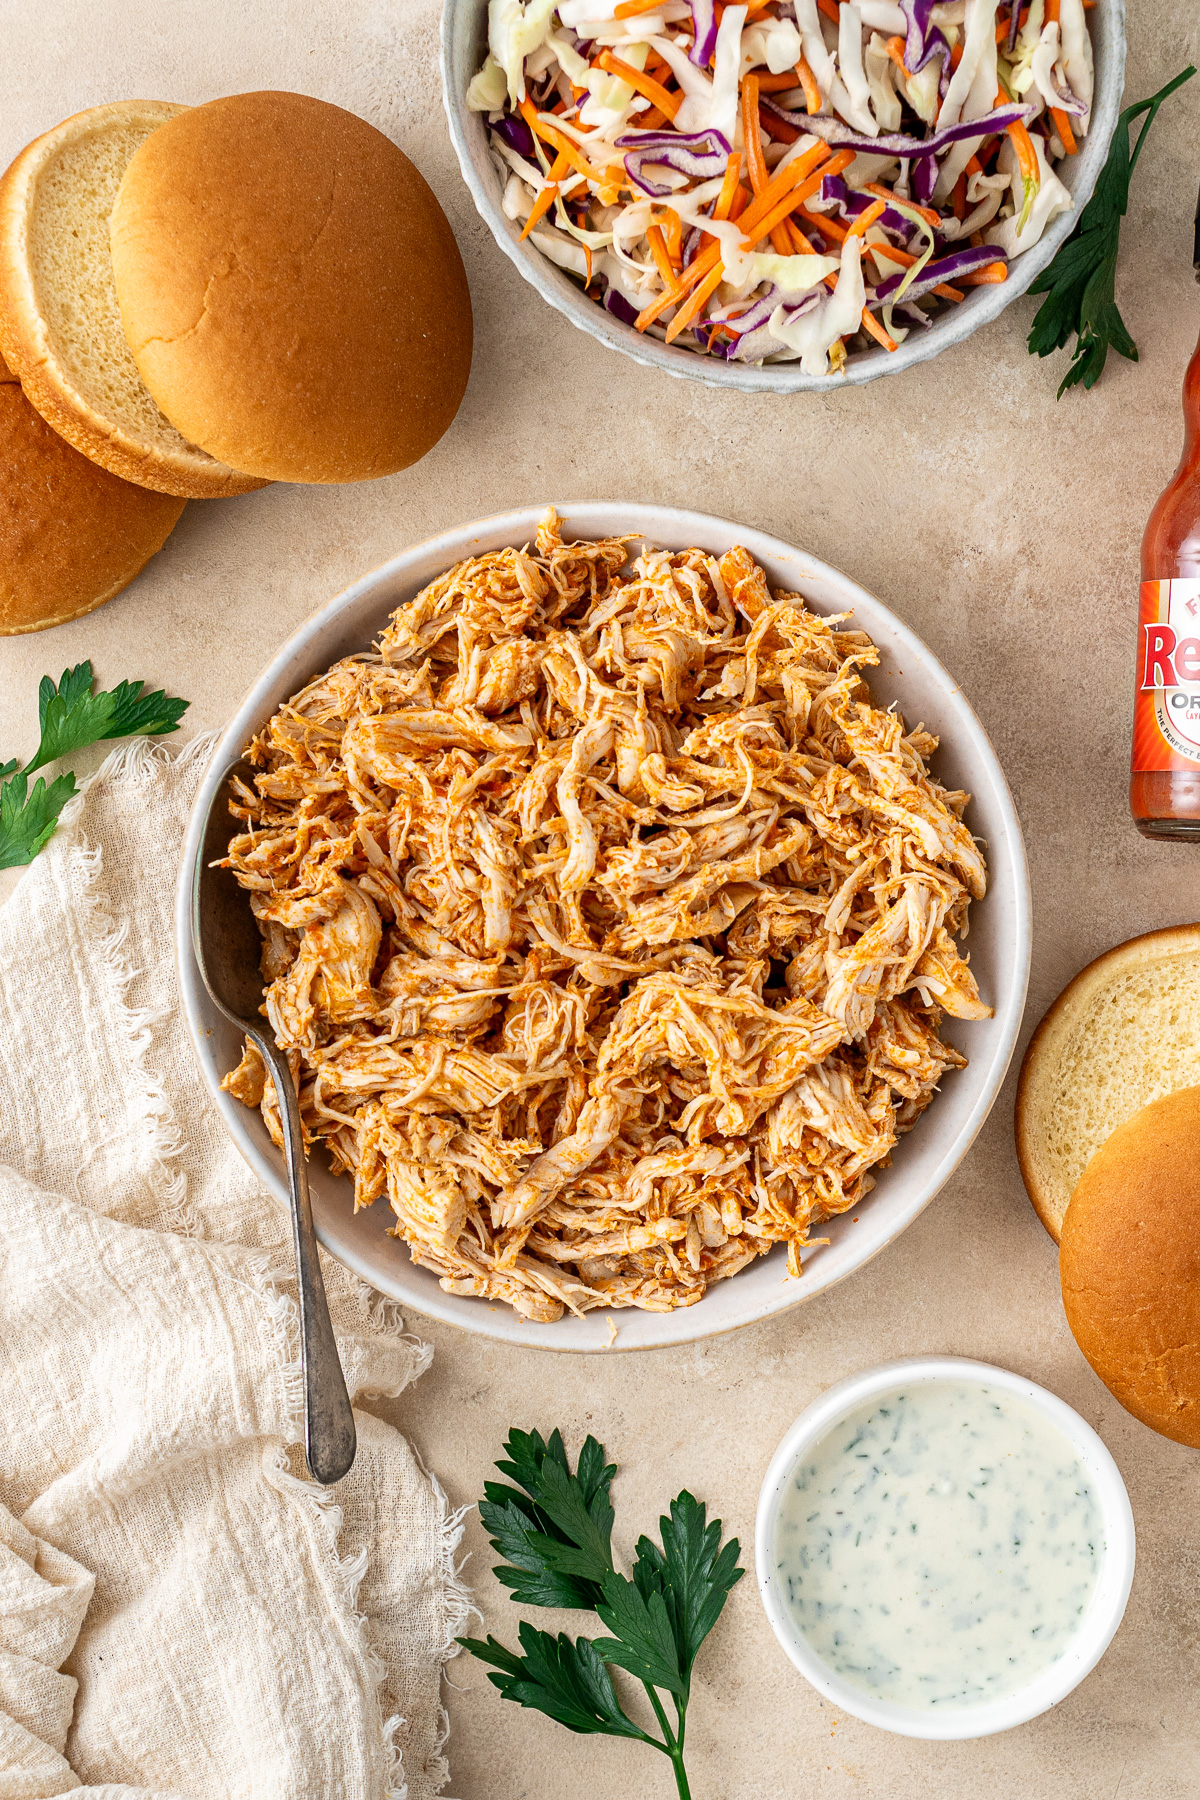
{"points": [[1098, 1625], [464, 45], [1000, 933]]}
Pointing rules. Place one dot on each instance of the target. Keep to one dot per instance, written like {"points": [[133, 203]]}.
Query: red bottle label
{"points": [[1166, 714]]}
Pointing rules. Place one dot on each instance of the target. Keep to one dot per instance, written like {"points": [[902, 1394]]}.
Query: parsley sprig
{"points": [[1080, 283], [555, 1528], [71, 716]]}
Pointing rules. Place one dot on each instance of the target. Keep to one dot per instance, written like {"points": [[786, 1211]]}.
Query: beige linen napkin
{"points": [[181, 1611]]}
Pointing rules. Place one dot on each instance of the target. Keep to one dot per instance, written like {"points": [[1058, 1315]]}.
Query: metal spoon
{"points": [[227, 946]]}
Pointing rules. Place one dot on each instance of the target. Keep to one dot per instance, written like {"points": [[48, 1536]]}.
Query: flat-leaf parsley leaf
{"points": [[1080, 283], [71, 716], [555, 1528]]}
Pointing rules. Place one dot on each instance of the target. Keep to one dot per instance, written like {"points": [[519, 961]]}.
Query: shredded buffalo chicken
{"points": [[606, 923]]}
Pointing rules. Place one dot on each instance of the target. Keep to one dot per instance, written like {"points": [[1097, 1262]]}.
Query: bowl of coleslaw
{"points": [[783, 195]]}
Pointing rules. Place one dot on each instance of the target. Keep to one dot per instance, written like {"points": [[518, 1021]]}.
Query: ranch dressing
{"points": [[939, 1546]]}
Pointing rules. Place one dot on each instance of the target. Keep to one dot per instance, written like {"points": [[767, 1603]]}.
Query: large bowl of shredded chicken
{"points": [[614, 891]]}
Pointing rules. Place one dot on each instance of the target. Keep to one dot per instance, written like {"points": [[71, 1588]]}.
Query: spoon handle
{"points": [[329, 1435]]}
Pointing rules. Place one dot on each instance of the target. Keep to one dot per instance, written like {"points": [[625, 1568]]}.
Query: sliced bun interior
{"points": [[60, 325], [291, 289], [71, 534], [1130, 1265], [1125, 1032]]}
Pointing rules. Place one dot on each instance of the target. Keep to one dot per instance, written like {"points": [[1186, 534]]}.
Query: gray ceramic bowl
{"points": [[464, 45], [999, 943]]}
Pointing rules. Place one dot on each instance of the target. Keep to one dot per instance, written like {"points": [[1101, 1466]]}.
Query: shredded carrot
{"points": [[906, 260], [1022, 143], [773, 84], [587, 251], [1003, 30], [974, 167], [830, 9], [779, 130], [755, 165], [608, 191], [789, 203], [672, 226], [800, 244], [651, 120], [1062, 124], [795, 184], [557, 139], [548, 195], [895, 49], [695, 303], [993, 272], [643, 84], [729, 186], [958, 199], [629, 9], [662, 260], [1053, 11], [741, 201], [871, 324], [885, 193], [826, 226], [808, 81], [865, 220]]}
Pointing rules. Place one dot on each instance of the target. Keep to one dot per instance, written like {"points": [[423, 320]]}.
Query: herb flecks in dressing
{"points": [[940, 1545]]}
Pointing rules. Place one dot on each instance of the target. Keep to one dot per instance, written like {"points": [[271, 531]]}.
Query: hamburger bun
{"points": [[1130, 1265], [290, 288], [60, 327], [71, 534], [1123, 1033]]}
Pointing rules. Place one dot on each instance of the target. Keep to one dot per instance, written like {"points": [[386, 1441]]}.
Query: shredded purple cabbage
{"points": [[756, 343], [516, 134], [1014, 26], [914, 316], [896, 143], [1064, 99], [918, 13], [924, 180], [936, 44], [616, 303], [961, 262], [697, 154], [849, 204], [704, 25]]}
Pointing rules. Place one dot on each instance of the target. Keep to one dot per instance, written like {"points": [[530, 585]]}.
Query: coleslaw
{"points": [[783, 180]]}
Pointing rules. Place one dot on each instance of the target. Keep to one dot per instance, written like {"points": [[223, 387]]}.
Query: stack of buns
{"points": [[201, 300], [1108, 1139]]}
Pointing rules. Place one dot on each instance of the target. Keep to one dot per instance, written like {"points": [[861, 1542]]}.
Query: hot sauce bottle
{"points": [[1164, 786]]}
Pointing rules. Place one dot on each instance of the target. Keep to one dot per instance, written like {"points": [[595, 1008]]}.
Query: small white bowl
{"points": [[1099, 1623], [464, 46]]}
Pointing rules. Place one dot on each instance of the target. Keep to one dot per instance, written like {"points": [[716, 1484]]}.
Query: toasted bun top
{"points": [[1123, 1033], [60, 324], [1130, 1265], [290, 289], [71, 534]]}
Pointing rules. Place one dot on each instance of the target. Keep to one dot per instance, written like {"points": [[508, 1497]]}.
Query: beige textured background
{"points": [[1004, 527]]}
